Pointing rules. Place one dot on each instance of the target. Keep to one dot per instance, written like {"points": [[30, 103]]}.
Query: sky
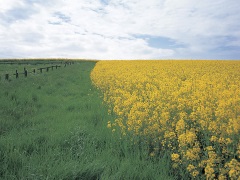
{"points": [[120, 29]]}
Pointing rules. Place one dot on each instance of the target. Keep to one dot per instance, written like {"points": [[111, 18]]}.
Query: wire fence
{"points": [[36, 70]]}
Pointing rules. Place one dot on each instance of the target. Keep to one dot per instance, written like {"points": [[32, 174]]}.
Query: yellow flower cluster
{"points": [[190, 108]]}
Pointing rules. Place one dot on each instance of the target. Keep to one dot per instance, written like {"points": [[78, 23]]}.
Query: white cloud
{"points": [[100, 29]]}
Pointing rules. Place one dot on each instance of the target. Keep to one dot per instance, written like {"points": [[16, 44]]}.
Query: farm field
{"points": [[54, 126], [187, 110]]}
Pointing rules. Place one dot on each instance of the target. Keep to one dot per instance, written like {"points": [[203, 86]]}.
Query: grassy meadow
{"points": [[54, 126]]}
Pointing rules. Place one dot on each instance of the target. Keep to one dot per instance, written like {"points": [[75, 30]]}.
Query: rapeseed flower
{"points": [[189, 108]]}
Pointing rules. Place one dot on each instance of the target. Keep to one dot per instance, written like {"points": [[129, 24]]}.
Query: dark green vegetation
{"points": [[54, 126]]}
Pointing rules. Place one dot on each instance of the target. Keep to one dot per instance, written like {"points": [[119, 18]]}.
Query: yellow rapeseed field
{"points": [[190, 109]]}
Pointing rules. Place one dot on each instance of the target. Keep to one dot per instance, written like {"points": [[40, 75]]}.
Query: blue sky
{"points": [[120, 29]]}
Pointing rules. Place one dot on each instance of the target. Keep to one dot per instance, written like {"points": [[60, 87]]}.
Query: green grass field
{"points": [[54, 126]]}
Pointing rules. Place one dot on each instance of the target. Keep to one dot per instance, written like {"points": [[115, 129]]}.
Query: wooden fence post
{"points": [[25, 72], [16, 74], [6, 76]]}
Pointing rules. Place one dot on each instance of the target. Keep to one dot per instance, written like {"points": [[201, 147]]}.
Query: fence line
{"points": [[34, 71], [32, 62]]}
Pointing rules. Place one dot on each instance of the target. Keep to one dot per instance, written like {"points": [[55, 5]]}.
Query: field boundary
{"points": [[36, 70]]}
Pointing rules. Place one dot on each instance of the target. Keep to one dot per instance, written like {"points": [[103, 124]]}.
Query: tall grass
{"points": [[54, 126]]}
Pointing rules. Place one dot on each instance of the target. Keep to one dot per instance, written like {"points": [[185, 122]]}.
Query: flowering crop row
{"points": [[188, 108]]}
